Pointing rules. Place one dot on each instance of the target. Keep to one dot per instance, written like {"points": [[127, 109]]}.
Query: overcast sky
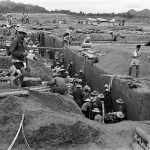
{"points": [[94, 6]]}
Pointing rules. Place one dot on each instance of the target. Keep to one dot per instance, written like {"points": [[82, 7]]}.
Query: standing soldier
{"points": [[135, 60], [70, 68], [108, 101], [77, 95], [19, 54]]}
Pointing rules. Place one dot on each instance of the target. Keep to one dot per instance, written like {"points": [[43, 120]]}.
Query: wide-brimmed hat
{"points": [[54, 75], [101, 95], [94, 93], [119, 101], [66, 72], [78, 86], [96, 110], [80, 80], [81, 71], [31, 51], [107, 90], [106, 85], [120, 114], [62, 69], [87, 100]]}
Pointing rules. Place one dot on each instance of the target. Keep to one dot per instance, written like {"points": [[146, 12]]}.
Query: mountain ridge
{"points": [[141, 13], [7, 6]]}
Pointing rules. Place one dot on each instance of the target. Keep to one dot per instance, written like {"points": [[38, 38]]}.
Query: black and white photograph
{"points": [[74, 75]]}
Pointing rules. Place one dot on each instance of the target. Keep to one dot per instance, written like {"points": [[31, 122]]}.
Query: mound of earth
{"points": [[50, 120], [55, 122], [39, 69]]}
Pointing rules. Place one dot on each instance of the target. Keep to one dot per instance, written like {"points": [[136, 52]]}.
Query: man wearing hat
{"points": [[120, 108], [97, 116], [77, 95], [69, 68], [86, 107], [58, 84], [19, 54], [93, 97], [86, 92], [82, 76], [108, 101], [57, 67], [67, 77], [135, 60], [99, 100]]}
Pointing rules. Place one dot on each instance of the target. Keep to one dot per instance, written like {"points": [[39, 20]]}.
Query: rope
{"points": [[14, 140], [25, 138], [10, 147]]}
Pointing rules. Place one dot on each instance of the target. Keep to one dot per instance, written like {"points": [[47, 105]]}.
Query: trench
{"points": [[137, 103]]}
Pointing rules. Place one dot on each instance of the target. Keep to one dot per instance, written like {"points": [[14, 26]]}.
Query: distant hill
{"points": [[142, 13], [7, 6]]}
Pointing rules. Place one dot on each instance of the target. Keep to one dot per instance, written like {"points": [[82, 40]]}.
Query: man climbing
{"points": [[19, 54], [135, 60]]}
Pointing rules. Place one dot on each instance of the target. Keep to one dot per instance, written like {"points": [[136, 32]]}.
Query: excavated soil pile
{"points": [[38, 69], [55, 122], [50, 120]]}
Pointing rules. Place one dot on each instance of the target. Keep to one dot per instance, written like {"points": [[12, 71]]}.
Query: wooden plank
{"points": [[15, 92], [50, 48]]}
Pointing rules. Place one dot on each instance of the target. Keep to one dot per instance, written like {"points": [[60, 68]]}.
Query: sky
{"points": [[91, 6]]}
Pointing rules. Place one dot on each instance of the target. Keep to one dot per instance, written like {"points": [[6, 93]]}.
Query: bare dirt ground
{"points": [[56, 123]]}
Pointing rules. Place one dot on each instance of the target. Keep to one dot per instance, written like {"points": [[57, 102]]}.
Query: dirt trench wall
{"points": [[95, 77], [47, 40], [137, 104]]}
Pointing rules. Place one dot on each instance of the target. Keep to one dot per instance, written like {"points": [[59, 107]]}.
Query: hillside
{"points": [[12, 7], [142, 13]]}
